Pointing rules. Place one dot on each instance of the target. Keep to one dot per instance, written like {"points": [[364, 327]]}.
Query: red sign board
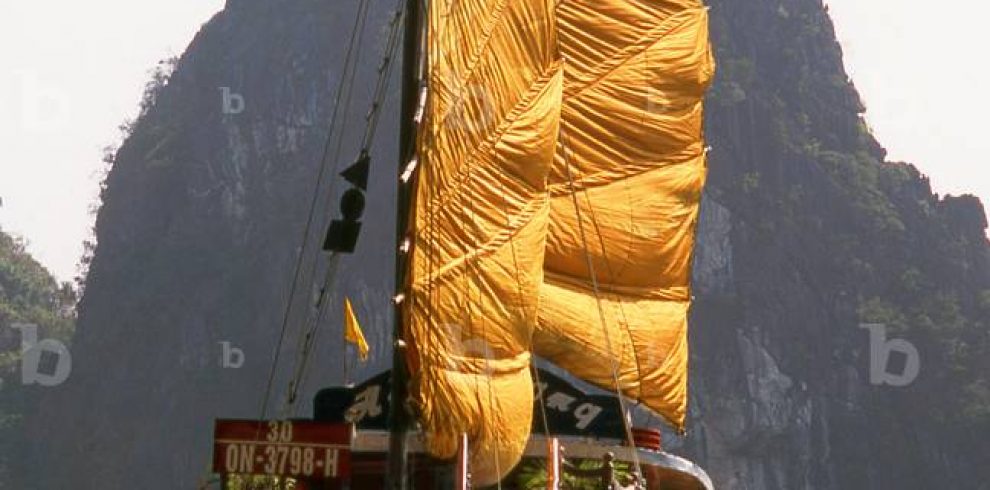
{"points": [[294, 449]]}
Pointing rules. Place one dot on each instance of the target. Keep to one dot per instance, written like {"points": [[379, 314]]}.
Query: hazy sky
{"points": [[922, 70], [72, 71]]}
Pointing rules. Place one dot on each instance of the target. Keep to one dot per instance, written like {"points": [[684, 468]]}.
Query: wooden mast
{"points": [[397, 477]]}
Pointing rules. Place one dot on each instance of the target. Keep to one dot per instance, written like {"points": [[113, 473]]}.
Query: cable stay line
{"points": [[349, 65], [626, 415], [321, 306]]}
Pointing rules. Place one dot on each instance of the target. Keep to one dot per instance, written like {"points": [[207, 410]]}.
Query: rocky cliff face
{"points": [[201, 223], [806, 234]]}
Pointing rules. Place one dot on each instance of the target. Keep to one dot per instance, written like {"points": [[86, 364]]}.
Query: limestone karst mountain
{"points": [[807, 233]]}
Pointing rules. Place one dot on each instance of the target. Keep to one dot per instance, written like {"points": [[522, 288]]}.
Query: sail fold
{"points": [[625, 191], [479, 225]]}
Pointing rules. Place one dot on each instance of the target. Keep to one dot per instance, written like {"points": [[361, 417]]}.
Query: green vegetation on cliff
{"points": [[28, 295], [827, 234], [812, 188]]}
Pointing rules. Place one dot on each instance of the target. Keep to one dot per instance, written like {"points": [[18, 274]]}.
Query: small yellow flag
{"points": [[352, 330]]}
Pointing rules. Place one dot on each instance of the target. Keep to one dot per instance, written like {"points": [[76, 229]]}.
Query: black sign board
{"points": [[569, 410]]}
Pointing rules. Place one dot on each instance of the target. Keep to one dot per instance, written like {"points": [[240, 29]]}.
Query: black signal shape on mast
{"points": [[343, 234], [357, 174]]}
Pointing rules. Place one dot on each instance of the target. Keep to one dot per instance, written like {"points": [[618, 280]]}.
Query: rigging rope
{"points": [[611, 273], [308, 340], [347, 88], [384, 76], [321, 307], [349, 64], [626, 416]]}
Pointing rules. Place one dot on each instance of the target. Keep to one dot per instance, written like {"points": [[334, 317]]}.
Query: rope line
{"points": [[350, 74], [308, 340], [611, 272], [324, 164], [626, 422]]}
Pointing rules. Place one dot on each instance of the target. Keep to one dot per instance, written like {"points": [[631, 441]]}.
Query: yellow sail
{"points": [[479, 224], [625, 191]]}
